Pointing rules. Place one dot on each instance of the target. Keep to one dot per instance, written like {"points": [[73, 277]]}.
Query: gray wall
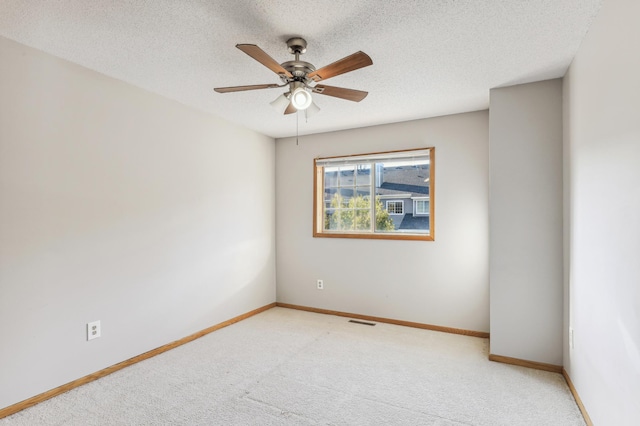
{"points": [[602, 118], [114, 206], [444, 282], [526, 221]]}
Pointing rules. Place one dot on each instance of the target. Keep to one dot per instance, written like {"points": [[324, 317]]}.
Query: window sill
{"points": [[379, 236]]}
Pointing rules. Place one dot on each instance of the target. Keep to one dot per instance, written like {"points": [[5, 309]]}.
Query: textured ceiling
{"points": [[430, 57]]}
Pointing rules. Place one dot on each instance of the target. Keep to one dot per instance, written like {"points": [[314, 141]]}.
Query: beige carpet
{"points": [[287, 367]]}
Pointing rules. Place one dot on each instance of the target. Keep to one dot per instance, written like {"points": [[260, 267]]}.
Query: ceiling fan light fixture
{"points": [[281, 103], [301, 99]]}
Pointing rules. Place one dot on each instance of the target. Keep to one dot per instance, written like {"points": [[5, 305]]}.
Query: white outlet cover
{"points": [[93, 330]]}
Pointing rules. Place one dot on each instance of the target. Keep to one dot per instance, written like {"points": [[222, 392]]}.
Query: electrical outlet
{"points": [[93, 330], [320, 284], [571, 342]]}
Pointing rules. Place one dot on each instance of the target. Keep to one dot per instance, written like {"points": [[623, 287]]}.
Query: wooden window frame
{"points": [[318, 202]]}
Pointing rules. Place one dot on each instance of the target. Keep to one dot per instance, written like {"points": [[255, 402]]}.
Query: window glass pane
{"points": [[415, 224], [384, 221], [338, 219], [329, 193], [362, 219], [364, 192], [330, 219], [363, 174], [403, 177], [346, 220], [330, 177], [345, 197], [397, 182], [347, 175]]}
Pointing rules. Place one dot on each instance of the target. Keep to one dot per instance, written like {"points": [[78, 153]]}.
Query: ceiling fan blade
{"points": [[243, 88], [261, 56], [350, 63], [339, 92], [290, 109]]}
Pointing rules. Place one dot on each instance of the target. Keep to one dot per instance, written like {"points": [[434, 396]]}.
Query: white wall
{"points": [[526, 221], [121, 206], [443, 282], [602, 115]]}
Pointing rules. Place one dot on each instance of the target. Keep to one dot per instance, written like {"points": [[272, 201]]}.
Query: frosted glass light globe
{"points": [[301, 99]]}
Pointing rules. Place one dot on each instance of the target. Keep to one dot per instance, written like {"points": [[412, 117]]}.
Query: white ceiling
{"points": [[430, 57]]}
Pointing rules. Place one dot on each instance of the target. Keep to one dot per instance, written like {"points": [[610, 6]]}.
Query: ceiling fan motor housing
{"points": [[299, 69]]}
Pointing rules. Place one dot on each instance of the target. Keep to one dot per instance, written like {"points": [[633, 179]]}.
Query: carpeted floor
{"points": [[287, 367]]}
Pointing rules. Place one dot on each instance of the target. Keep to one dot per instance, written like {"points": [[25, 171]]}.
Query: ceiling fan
{"points": [[301, 77]]}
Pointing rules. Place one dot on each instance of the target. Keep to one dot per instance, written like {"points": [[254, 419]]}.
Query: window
{"points": [[421, 206], [386, 195], [395, 207]]}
